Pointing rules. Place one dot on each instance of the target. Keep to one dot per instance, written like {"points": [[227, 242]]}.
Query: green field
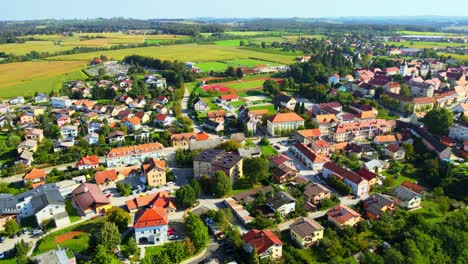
{"points": [[425, 44], [249, 63], [214, 65], [242, 85], [72, 212], [455, 56], [28, 46], [425, 33], [237, 103], [271, 108], [186, 52], [25, 78], [230, 42], [253, 33]]}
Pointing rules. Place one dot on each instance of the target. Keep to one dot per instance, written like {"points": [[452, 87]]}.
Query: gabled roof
{"points": [[312, 190], [403, 194], [305, 226], [279, 159], [366, 174], [413, 187], [108, 175], [309, 153], [150, 217], [393, 148], [261, 240], [286, 117], [279, 199], [154, 163], [342, 213], [34, 174], [159, 199], [229, 97], [343, 173], [325, 119], [88, 195], [88, 160], [308, 133]]}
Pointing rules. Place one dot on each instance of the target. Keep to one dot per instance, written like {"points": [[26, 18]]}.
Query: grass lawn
{"points": [[242, 85], [400, 179], [209, 102], [237, 103], [8, 261], [271, 108], [230, 42], [212, 65], [185, 52], [77, 244], [269, 150], [191, 85], [72, 212], [25, 78], [431, 212], [251, 93], [153, 250]]}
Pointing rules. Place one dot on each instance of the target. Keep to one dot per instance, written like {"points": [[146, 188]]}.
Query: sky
{"points": [[144, 9]]}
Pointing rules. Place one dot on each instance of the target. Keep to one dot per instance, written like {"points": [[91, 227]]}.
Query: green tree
{"points": [[13, 140], [196, 187], [256, 169], [438, 121], [107, 235], [404, 90], [271, 87], [220, 184], [230, 72], [239, 73], [21, 249], [123, 189], [102, 256], [197, 231], [185, 196], [429, 75], [131, 247], [175, 251], [119, 217], [11, 227], [229, 145]]}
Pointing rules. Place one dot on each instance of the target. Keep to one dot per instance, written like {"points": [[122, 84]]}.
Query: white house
{"points": [[69, 131], [40, 98], [151, 225], [199, 105], [92, 138], [50, 206], [61, 102], [334, 79], [282, 202], [358, 184], [406, 198]]}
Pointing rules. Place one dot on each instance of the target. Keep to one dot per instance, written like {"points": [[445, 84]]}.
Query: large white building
{"points": [[284, 122], [358, 184], [132, 155]]}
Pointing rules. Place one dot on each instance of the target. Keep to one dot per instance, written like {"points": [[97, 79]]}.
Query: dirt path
{"points": [[67, 236]]}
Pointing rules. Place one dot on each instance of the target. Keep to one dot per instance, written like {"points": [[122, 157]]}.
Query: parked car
{"points": [[37, 232], [173, 237], [109, 195], [170, 183], [2, 255], [2, 239]]}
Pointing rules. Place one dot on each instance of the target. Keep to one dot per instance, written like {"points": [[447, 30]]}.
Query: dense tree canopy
{"points": [[438, 121]]}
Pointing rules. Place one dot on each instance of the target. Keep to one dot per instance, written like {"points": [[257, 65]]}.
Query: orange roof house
{"points": [[159, 199], [36, 176], [150, 217], [88, 162], [286, 117], [263, 241], [106, 176], [342, 215]]}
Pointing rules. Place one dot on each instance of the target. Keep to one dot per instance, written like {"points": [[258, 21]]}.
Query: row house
{"points": [[183, 140], [132, 155], [357, 131], [307, 156], [358, 184]]}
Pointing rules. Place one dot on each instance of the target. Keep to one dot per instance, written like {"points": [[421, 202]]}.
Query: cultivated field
{"points": [[28, 46], [25, 78], [425, 44], [455, 56], [186, 52], [425, 33]]}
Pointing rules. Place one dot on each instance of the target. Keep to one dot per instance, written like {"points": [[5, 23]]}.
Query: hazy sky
{"points": [[39, 9]]}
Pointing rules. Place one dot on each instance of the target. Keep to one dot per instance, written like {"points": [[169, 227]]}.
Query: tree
{"points": [[239, 73], [271, 87], [230, 71], [429, 75], [185, 196], [196, 187], [104, 257], [229, 145], [123, 189], [404, 90], [107, 235], [131, 247], [197, 231], [175, 251], [189, 247], [21, 249], [11, 227], [13, 140], [438, 121], [256, 169], [220, 184], [119, 217]]}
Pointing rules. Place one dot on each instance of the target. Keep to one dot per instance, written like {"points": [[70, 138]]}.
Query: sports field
{"points": [[244, 85], [25, 78], [271, 108], [212, 65], [186, 52]]}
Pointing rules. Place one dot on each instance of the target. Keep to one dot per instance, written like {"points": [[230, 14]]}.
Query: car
{"points": [[2, 255], [37, 232], [2, 239], [173, 237], [138, 187], [109, 195], [24, 230], [170, 183], [106, 192], [277, 147], [14, 235]]}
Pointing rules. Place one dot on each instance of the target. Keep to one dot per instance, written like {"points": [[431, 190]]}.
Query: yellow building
{"points": [[155, 172], [306, 231]]}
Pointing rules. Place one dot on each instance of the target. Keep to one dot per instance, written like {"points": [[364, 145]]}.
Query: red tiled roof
{"points": [[342, 213], [154, 163], [261, 239], [413, 187], [150, 217], [286, 117], [393, 148], [202, 136], [103, 176], [343, 173], [308, 133], [88, 195], [218, 113], [279, 159], [160, 199], [386, 138], [34, 174], [229, 96], [132, 150], [321, 143], [309, 153], [368, 175], [88, 160], [423, 100], [393, 85]]}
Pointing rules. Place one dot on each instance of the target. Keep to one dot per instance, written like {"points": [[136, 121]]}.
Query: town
{"points": [[353, 152]]}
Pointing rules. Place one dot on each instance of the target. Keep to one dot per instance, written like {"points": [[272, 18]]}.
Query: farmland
{"points": [[25, 78], [425, 44], [186, 52]]}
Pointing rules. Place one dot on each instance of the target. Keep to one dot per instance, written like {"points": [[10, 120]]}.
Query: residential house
{"points": [[199, 105], [368, 175], [214, 126], [406, 198], [391, 71], [376, 205], [322, 147], [143, 116], [228, 98], [421, 89], [315, 193], [154, 81], [281, 202], [281, 159], [459, 131], [251, 117], [36, 176], [34, 134], [50, 205], [27, 118], [395, 152], [376, 165], [61, 102], [255, 151], [307, 136], [217, 116], [325, 122], [284, 122], [132, 123], [26, 158], [116, 137], [60, 256], [89, 199], [164, 120], [92, 138], [285, 101], [210, 161], [342, 215], [358, 184], [41, 98], [104, 177], [19, 100], [265, 242], [69, 131], [88, 162], [151, 226], [63, 120], [159, 199], [446, 100], [163, 100], [305, 231], [360, 130], [309, 157], [284, 173], [154, 171], [131, 155], [385, 139], [414, 187], [27, 145]]}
